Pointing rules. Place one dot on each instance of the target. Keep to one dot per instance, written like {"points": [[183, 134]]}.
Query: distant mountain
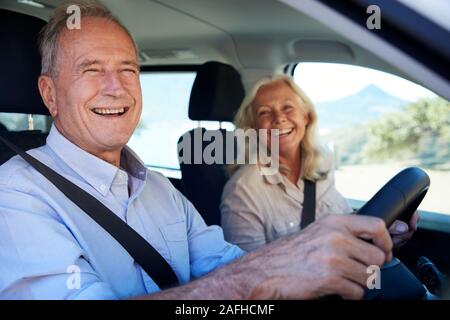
{"points": [[369, 103]]}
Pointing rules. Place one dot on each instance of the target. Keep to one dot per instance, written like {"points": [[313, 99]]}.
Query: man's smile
{"points": [[111, 111]]}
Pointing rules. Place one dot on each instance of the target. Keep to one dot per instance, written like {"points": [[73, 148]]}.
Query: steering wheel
{"points": [[397, 199]]}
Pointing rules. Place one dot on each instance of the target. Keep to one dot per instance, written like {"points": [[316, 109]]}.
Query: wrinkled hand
{"points": [[401, 232], [328, 257]]}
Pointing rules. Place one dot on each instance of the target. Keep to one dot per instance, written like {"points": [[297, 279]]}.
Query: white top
{"points": [[258, 208]]}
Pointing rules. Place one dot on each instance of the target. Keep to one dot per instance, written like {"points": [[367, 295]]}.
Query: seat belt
{"points": [[309, 204], [139, 249]]}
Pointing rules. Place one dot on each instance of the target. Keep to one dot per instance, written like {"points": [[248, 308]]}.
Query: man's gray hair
{"points": [[49, 35]]}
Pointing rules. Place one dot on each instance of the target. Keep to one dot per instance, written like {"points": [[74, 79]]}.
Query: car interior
{"points": [[216, 95], [229, 45]]}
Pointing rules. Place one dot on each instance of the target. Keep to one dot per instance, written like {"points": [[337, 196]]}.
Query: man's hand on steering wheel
{"points": [[401, 232]]}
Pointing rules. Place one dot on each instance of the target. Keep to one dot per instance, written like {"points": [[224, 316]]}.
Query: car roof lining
{"points": [[178, 32]]}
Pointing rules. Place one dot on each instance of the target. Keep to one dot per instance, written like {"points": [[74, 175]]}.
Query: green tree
{"points": [[422, 127]]}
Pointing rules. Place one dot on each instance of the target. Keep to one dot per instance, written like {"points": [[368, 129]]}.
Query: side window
{"points": [[164, 119], [377, 124], [19, 122]]}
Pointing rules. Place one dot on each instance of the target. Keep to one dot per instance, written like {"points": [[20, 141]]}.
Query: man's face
{"points": [[97, 95]]}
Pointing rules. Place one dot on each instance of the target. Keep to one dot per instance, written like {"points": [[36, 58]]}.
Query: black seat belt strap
{"points": [[142, 252], [309, 204]]}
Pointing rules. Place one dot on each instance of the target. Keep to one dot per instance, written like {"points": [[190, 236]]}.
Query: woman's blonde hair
{"points": [[312, 152]]}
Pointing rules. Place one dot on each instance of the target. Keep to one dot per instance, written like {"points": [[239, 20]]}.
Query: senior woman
{"points": [[257, 207]]}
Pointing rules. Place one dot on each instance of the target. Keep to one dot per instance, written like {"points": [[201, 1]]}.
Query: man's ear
{"points": [[48, 94]]}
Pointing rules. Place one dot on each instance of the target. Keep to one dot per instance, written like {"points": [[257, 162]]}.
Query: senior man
{"points": [[90, 84]]}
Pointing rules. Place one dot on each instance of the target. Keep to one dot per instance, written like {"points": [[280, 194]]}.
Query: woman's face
{"points": [[277, 106]]}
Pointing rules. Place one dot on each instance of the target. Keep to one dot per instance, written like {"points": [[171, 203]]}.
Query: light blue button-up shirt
{"points": [[50, 249]]}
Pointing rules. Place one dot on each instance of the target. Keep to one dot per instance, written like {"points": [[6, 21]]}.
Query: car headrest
{"points": [[19, 54], [217, 92]]}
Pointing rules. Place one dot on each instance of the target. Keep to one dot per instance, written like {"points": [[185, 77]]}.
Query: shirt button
{"points": [[291, 224], [103, 188]]}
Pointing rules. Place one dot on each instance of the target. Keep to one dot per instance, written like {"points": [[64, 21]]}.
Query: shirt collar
{"points": [[95, 171], [277, 178], [132, 164], [270, 176]]}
